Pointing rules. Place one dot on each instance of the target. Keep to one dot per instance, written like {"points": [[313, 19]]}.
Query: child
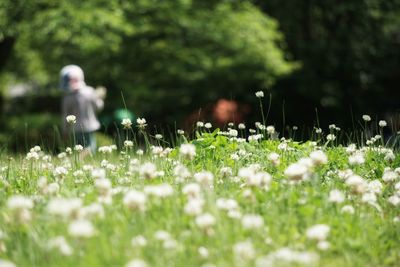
{"points": [[81, 101]]}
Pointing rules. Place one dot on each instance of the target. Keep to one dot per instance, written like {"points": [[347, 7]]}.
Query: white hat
{"points": [[68, 72]]}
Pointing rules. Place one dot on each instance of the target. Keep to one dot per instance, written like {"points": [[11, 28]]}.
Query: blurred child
{"points": [[83, 102]]}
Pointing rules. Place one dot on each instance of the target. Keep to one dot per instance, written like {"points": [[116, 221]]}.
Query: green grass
{"points": [[368, 237]]}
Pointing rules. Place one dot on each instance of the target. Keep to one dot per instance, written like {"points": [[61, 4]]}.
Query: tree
{"points": [[166, 58], [350, 54]]}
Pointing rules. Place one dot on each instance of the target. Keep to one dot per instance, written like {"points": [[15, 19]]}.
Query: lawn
{"points": [[221, 199]]}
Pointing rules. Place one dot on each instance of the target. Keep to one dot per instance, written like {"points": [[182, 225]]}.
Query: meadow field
{"points": [[233, 197]]}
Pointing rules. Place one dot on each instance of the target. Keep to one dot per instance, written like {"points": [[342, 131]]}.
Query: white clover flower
{"points": [[204, 178], [32, 155], [318, 232], [42, 182], [347, 209], [366, 118], [148, 170], [203, 252], [262, 179], [247, 172], [181, 173], [194, 207], [369, 197], [330, 137], [141, 122], [357, 184], [53, 188], [92, 211], [318, 130], [288, 257], [64, 207], [270, 129], [255, 137], [208, 125], [225, 172], [135, 200], [162, 235], [17, 202], [389, 176], [136, 263], [274, 158], [205, 221], [71, 119], [227, 204], [235, 156], [307, 162], [157, 150], [241, 126], [390, 156], [234, 214], [128, 143], [35, 149], [6, 263], [318, 157], [20, 207], [382, 123], [283, 146], [191, 190], [332, 126], [375, 186], [350, 149], [81, 228], [252, 221], [158, 136], [170, 244], [244, 250], [260, 126], [110, 167], [161, 190], [357, 159], [323, 245], [60, 171], [103, 186], [296, 172], [105, 149], [233, 133], [139, 241], [180, 132], [259, 94], [126, 123], [188, 151], [87, 168], [200, 124], [68, 150], [394, 200], [61, 245], [78, 148], [98, 173], [336, 196]]}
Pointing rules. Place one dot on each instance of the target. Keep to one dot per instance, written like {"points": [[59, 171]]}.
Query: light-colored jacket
{"points": [[84, 104]]}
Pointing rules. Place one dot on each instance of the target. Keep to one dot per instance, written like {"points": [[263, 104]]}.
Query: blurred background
{"points": [[178, 61]]}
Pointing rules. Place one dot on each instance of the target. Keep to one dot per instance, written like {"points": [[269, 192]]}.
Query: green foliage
{"points": [[287, 208], [168, 58], [24, 131], [350, 57]]}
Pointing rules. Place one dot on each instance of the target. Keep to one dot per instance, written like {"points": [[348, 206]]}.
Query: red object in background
{"points": [[219, 114], [226, 111]]}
